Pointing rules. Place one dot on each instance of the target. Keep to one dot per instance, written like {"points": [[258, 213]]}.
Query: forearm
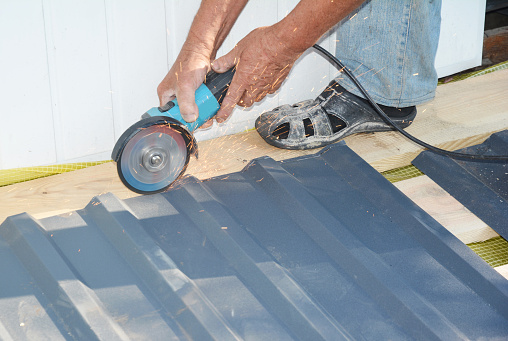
{"points": [[310, 19], [211, 25]]}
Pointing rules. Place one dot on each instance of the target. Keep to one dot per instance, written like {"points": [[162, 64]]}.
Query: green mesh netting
{"points": [[12, 176], [494, 251], [402, 173], [497, 67]]}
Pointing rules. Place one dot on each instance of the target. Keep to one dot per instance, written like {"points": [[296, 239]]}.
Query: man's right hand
{"points": [[185, 76]]}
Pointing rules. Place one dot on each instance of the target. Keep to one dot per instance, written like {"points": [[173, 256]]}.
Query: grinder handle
{"points": [[218, 83]]}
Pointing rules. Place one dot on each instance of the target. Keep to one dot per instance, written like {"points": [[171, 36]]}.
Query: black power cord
{"points": [[387, 119]]}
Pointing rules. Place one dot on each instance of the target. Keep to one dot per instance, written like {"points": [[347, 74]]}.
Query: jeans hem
{"points": [[397, 103]]}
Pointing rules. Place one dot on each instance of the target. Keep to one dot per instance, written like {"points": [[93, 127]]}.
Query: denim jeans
{"points": [[390, 45]]}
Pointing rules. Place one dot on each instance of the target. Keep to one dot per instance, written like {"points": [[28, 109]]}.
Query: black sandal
{"points": [[335, 114]]}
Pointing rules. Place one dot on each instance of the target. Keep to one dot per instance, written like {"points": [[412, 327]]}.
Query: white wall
{"points": [[461, 39], [75, 74]]}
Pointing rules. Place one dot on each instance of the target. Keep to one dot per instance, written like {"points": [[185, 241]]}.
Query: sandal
{"points": [[335, 114]]}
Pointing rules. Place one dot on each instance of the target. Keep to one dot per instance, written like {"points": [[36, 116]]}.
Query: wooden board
{"points": [[503, 270], [463, 114], [446, 209]]}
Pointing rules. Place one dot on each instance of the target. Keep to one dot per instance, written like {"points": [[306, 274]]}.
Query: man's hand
{"points": [[262, 63], [210, 26], [186, 75]]}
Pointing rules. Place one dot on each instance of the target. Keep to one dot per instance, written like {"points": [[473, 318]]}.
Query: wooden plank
{"points": [[503, 270], [446, 209], [61, 193], [440, 123], [463, 113]]}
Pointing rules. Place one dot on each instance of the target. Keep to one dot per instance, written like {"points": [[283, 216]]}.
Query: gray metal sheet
{"points": [[480, 186], [315, 248]]}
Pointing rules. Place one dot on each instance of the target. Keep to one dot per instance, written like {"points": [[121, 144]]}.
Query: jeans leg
{"points": [[390, 45]]}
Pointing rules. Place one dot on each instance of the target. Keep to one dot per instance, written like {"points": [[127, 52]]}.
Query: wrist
{"points": [[292, 36], [199, 45]]}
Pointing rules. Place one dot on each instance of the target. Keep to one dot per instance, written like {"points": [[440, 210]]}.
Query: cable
{"points": [[332, 59]]}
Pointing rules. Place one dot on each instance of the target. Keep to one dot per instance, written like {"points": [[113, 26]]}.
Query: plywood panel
{"points": [[26, 124], [76, 35]]}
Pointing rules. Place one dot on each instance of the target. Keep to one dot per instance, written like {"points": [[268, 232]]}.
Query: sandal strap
{"points": [[285, 126], [318, 118]]}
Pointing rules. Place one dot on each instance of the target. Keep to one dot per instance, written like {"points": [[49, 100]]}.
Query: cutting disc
{"points": [[152, 159]]}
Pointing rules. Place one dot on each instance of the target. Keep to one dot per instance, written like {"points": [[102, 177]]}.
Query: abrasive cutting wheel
{"points": [[153, 158]]}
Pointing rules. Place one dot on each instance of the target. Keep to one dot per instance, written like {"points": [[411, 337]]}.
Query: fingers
{"points": [[235, 91], [185, 76], [248, 99], [225, 62], [185, 93], [207, 124], [165, 93], [233, 96], [243, 93], [187, 103]]}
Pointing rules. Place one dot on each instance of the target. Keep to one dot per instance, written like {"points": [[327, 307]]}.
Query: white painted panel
{"points": [[77, 43], [26, 125], [138, 57], [461, 38]]}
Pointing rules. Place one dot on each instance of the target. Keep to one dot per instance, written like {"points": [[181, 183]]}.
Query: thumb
{"points": [[165, 92], [187, 103], [225, 62]]}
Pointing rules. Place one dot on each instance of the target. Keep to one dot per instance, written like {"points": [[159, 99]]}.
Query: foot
{"points": [[329, 118]]}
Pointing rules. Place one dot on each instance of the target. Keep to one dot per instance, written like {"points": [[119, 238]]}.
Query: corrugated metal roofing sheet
{"points": [[482, 187], [315, 248]]}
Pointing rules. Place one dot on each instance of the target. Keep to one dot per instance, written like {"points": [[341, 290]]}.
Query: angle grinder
{"points": [[155, 151]]}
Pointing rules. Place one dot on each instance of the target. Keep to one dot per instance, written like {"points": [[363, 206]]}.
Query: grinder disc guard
{"points": [[153, 158]]}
